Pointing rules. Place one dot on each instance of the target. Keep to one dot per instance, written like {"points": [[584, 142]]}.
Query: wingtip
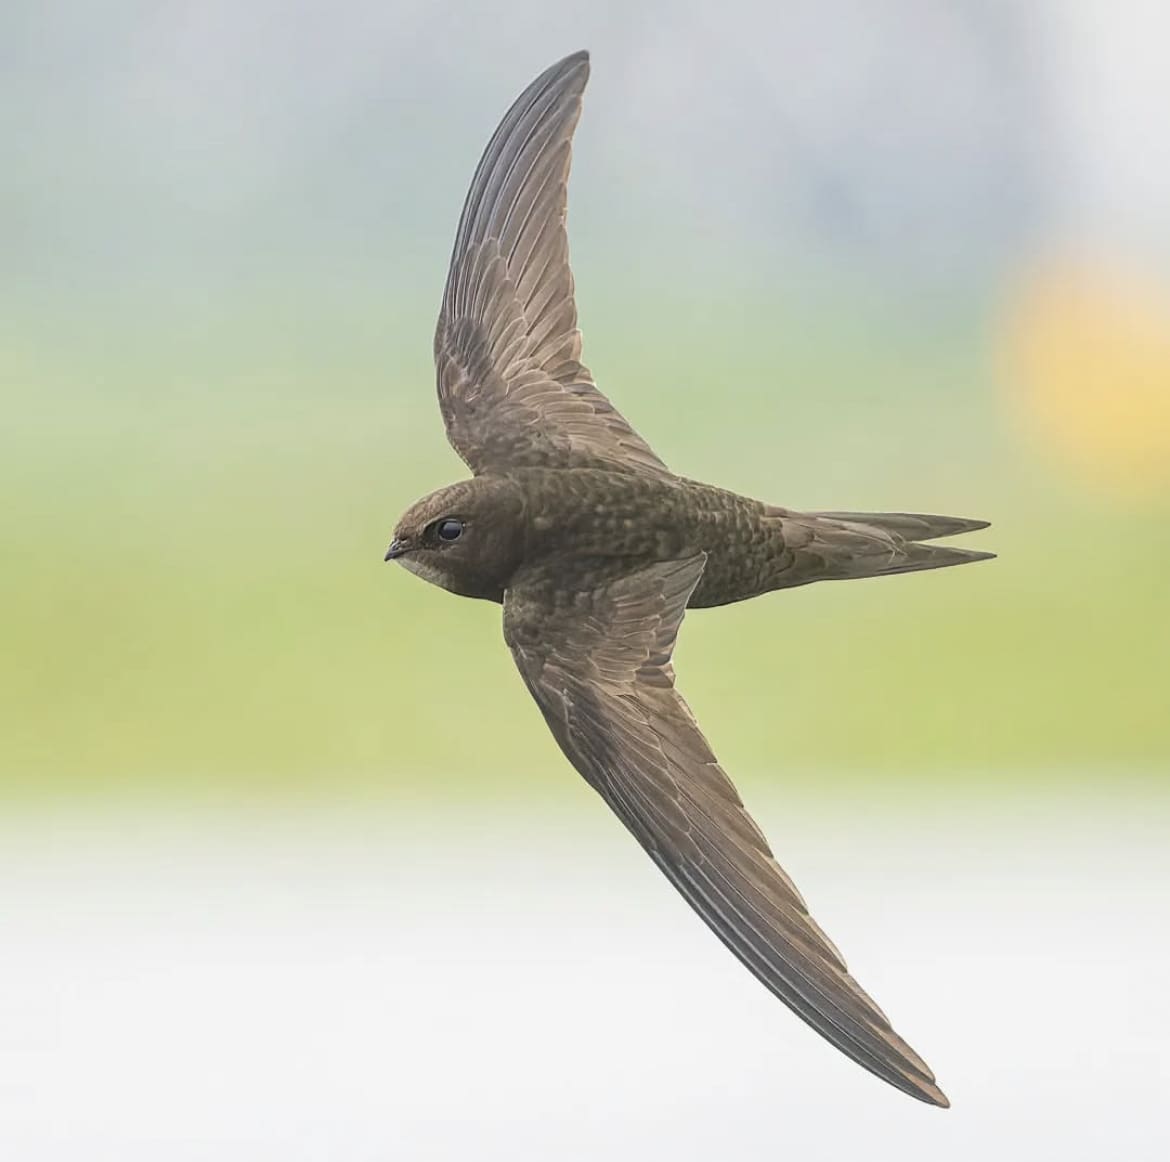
{"points": [[578, 60], [919, 1085], [570, 73]]}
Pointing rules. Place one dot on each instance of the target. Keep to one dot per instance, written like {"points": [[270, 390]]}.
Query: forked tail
{"points": [[872, 544]]}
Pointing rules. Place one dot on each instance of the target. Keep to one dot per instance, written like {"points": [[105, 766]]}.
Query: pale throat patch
{"points": [[425, 569]]}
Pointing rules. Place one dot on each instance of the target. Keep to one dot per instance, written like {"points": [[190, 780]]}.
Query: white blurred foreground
{"points": [[422, 984]]}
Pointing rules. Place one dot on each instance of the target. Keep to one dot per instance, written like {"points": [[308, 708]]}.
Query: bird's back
{"points": [[633, 519], [629, 519]]}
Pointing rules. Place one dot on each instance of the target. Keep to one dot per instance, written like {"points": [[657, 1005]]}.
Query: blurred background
{"points": [[290, 866]]}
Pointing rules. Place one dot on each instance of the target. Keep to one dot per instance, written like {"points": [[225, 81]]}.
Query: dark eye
{"points": [[449, 529]]}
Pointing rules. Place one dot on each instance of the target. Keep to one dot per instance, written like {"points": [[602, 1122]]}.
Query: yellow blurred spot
{"points": [[1086, 358]]}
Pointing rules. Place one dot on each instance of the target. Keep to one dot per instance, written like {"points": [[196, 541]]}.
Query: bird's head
{"points": [[467, 538]]}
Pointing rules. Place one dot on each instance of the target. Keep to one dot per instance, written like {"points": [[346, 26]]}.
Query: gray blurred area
{"points": [[263, 985], [218, 140]]}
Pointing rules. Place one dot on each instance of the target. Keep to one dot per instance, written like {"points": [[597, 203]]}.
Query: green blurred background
{"points": [[196, 597], [226, 239]]}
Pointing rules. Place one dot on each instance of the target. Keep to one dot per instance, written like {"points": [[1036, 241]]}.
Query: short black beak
{"points": [[397, 548]]}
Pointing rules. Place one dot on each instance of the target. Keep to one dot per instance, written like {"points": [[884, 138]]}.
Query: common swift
{"points": [[595, 549]]}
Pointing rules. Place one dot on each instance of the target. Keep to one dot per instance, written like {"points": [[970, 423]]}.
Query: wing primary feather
{"points": [[602, 677], [512, 388], [564, 74]]}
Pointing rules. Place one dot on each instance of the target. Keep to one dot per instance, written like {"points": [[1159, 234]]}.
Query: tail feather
{"points": [[910, 526], [846, 545], [912, 557]]}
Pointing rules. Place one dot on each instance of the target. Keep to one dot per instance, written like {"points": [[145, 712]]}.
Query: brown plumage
{"points": [[595, 549]]}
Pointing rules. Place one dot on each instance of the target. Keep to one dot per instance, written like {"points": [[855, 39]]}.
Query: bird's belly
{"points": [[729, 577], [741, 559], [587, 524]]}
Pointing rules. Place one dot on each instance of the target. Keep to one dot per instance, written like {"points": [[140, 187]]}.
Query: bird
{"points": [[595, 549]]}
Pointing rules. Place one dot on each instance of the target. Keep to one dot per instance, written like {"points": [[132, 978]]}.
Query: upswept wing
{"points": [[512, 388], [598, 665]]}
